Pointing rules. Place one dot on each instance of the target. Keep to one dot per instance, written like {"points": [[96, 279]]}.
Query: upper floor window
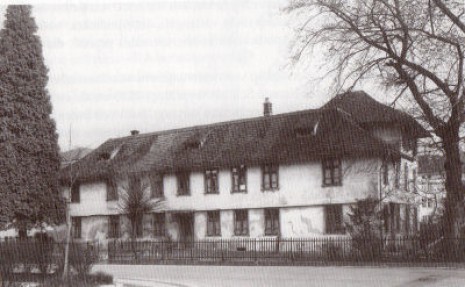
{"points": [[134, 184], [211, 181], [158, 224], [332, 174], [241, 222], [271, 221], [75, 194], [270, 177], [239, 179], [397, 175], [334, 219], [213, 223], [183, 183], [114, 229], [156, 186], [76, 227], [112, 191]]}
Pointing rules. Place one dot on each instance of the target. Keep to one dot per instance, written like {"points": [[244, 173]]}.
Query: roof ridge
{"points": [[237, 121]]}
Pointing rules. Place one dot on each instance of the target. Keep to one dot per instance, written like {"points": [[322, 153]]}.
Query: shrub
{"points": [[100, 278], [82, 257], [365, 229]]}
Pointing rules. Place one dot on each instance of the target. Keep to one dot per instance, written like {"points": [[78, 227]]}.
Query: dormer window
{"points": [[303, 132], [195, 144], [104, 156]]}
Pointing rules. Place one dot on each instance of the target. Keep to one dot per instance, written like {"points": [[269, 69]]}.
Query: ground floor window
{"points": [[158, 224], [241, 222], [76, 227], [213, 223], [113, 226], [272, 221], [334, 219]]}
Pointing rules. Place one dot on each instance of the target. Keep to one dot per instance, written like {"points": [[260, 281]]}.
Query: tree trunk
{"points": [[453, 185]]}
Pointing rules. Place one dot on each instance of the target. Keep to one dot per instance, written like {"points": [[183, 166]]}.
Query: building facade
{"points": [[288, 175]]}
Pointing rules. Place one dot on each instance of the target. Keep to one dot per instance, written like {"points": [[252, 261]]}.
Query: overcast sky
{"points": [[157, 65]]}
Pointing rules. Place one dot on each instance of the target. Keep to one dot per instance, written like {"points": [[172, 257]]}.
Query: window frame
{"points": [[180, 177], [76, 227], [334, 212], [159, 224], [241, 173], [268, 171], [211, 181], [114, 221], [241, 222], [112, 190], [157, 189], [213, 223], [75, 192], [272, 216], [332, 165]]}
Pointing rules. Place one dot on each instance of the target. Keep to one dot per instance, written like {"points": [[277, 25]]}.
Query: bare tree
{"points": [[416, 48]]}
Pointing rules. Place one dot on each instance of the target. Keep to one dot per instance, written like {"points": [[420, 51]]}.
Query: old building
{"points": [[286, 175]]}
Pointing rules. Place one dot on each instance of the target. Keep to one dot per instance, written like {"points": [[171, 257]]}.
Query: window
{"points": [[139, 226], [134, 184], [405, 176], [211, 181], [332, 175], [397, 175], [385, 169], [183, 183], [76, 227], [114, 226], [395, 216], [213, 223], [158, 224], [156, 186], [75, 194], [270, 177], [334, 219], [239, 179], [112, 191], [414, 180], [272, 221], [241, 222]]}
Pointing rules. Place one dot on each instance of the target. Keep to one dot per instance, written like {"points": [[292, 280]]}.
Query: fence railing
{"points": [[279, 250], [328, 250]]}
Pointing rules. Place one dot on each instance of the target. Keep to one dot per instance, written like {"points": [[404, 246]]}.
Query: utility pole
{"points": [[68, 217]]}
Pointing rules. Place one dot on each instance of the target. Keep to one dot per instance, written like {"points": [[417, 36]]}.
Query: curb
{"points": [[146, 283]]}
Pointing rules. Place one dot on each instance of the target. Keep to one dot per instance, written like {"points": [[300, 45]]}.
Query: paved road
{"points": [[274, 276]]}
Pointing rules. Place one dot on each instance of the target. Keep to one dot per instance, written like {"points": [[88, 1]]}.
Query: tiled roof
{"points": [[285, 138], [367, 111]]}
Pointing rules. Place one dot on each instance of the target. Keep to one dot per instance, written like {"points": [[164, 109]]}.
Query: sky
{"points": [[158, 65]]}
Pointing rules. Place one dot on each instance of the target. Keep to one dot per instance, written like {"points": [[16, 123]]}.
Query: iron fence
{"points": [[287, 251], [265, 251]]}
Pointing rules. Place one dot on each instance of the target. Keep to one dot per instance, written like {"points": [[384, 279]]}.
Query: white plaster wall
{"points": [[93, 201], [389, 135], [299, 185], [94, 228]]}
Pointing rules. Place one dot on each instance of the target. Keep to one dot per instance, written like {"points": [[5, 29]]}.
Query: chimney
{"points": [[134, 132], [267, 109]]}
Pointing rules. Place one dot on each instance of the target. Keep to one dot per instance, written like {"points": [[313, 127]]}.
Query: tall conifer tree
{"points": [[29, 153]]}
